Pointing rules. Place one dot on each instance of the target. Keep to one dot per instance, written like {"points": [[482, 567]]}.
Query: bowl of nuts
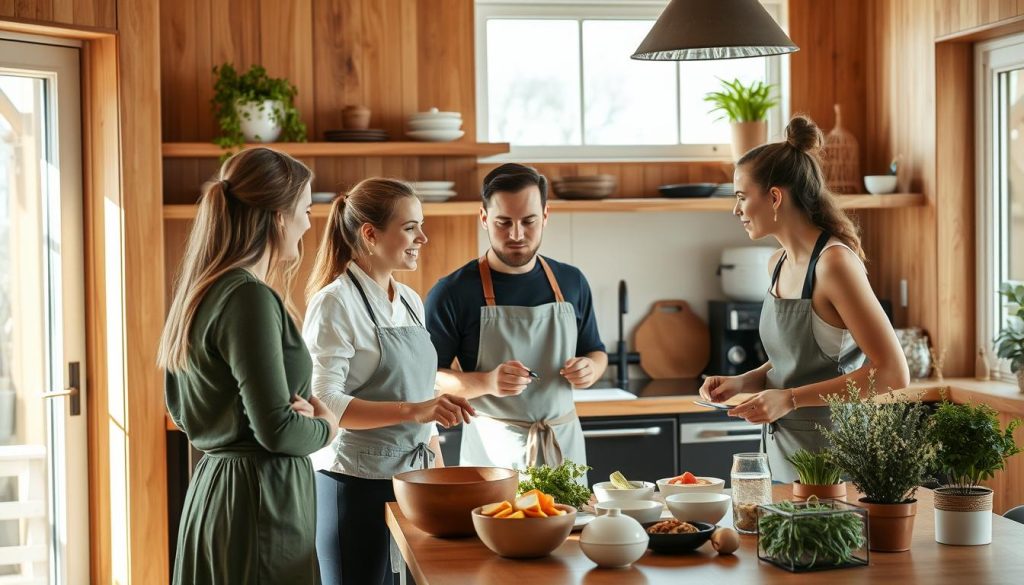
{"points": [[675, 536]]}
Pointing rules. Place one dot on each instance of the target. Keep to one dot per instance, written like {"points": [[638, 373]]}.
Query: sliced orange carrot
{"points": [[505, 513], [516, 515], [492, 509]]}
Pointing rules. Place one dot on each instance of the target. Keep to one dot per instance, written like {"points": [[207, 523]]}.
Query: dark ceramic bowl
{"points": [[675, 544], [688, 190]]}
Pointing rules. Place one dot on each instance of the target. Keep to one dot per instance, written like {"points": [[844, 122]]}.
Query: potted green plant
{"points": [[1010, 343], [746, 107], [254, 107], [819, 476], [884, 446], [971, 449]]}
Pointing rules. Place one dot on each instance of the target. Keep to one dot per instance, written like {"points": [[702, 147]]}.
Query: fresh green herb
{"points": [[558, 482], [1010, 343], [810, 533], [742, 103], [815, 468], [971, 445], [253, 86], [884, 446]]}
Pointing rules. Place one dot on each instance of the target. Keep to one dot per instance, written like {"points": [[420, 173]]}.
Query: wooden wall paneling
{"points": [[812, 68], [180, 70], [408, 63], [462, 170], [955, 187], [446, 67], [849, 75], [84, 13], [145, 442], [382, 76], [235, 33], [286, 48], [337, 61]]}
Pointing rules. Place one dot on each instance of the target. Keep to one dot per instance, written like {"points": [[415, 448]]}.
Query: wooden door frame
{"points": [[122, 178]]}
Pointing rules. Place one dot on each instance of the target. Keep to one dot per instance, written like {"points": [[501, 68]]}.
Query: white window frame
{"points": [[991, 58], [778, 74]]}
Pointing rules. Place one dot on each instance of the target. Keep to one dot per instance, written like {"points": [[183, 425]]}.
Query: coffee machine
{"points": [[735, 340]]}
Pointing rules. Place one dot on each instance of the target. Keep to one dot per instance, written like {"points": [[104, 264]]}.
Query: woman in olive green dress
{"points": [[238, 381]]}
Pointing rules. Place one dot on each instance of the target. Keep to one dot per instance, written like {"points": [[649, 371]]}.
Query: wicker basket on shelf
{"points": [[840, 159]]}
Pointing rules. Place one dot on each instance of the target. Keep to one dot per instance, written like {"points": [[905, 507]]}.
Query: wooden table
{"points": [[435, 561]]}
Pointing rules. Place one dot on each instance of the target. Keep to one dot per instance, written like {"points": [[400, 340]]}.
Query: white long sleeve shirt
{"points": [[342, 339]]}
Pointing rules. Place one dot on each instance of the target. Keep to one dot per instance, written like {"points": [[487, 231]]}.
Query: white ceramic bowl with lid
{"points": [[435, 114], [614, 540]]}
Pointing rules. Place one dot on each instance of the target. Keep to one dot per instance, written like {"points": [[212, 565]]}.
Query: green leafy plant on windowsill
{"points": [[815, 468], [742, 103], [1010, 342], [971, 445], [232, 89]]}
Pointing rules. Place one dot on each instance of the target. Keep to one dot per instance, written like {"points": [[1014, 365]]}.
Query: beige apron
{"points": [[539, 426]]}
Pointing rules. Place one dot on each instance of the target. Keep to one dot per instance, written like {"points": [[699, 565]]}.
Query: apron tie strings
{"points": [[422, 456], [540, 437]]}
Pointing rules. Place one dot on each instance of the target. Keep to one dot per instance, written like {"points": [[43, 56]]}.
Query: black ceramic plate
{"points": [[675, 544], [688, 190]]}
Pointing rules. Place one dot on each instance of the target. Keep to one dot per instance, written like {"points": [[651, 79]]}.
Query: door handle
{"points": [[718, 432], [73, 391], [612, 433]]}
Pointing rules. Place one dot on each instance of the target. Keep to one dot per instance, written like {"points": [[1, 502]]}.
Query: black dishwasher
{"points": [[707, 442], [642, 448]]}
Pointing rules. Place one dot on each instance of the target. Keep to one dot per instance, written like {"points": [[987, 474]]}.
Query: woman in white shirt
{"points": [[374, 365]]}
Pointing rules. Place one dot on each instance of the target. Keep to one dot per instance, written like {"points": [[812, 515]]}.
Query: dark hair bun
{"points": [[804, 135]]}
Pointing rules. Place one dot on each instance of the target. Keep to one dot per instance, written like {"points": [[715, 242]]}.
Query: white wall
{"points": [[670, 255]]}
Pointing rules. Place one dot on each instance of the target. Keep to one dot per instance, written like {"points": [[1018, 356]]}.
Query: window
{"points": [[556, 81], [1000, 205]]}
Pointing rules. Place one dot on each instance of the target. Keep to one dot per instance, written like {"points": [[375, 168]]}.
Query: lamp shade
{"points": [[693, 30]]}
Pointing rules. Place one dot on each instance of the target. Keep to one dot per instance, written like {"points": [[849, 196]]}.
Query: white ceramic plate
{"points": [[582, 519], [436, 192], [433, 185], [323, 197], [435, 198], [435, 135]]}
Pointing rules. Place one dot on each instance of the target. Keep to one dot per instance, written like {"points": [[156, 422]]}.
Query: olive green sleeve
{"points": [[248, 335]]}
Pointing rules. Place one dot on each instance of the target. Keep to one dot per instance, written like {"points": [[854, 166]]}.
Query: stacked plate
{"points": [[433, 191], [688, 190], [435, 126], [584, 187], [371, 135]]}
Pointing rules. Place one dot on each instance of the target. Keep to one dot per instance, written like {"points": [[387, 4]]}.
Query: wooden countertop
{"points": [[467, 561], [677, 396]]}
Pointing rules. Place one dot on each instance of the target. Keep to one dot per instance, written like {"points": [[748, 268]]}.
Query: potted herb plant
{"points": [[254, 107], [971, 449], [819, 476], [885, 448], [746, 107], [1010, 343]]}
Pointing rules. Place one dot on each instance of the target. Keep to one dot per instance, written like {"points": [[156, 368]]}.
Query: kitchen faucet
{"points": [[621, 358]]}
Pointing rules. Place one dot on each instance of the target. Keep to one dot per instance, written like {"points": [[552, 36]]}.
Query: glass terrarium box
{"points": [[812, 536]]}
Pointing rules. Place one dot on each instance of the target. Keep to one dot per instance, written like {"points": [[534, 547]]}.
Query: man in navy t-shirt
{"points": [[523, 330]]}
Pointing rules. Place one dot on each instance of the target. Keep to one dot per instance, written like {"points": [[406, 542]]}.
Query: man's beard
{"points": [[518, 258]]}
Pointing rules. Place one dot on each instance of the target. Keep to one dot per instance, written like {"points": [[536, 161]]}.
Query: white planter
{"points": [[963, 520], [257, 123]]}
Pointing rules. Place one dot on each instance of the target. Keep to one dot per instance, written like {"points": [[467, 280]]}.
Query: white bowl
{"points": [[432, 185], [434, 114], [880, 184], [640, 510], [716, 486], [435, 198], [435, 135], [435, 192], [605, 491], [439, 124], [699, 507]]}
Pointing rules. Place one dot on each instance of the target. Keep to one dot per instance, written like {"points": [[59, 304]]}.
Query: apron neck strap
{"points": [[809, 277], [488, 282], [369, 309]]}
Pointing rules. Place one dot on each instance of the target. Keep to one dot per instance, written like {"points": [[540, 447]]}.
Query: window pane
{"points": [[1015, 196], [533, 88], [625, 101], [697, 79]]}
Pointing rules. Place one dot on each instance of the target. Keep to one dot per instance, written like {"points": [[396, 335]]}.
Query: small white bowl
{"points": [[435, 114], [716, 486], [880, 184], [440, 124], [699, 507], [605, 491], [640, 510]]}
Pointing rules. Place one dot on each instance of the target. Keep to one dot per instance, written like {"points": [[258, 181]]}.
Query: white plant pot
{"points": [[256, 121], [963, 520]]}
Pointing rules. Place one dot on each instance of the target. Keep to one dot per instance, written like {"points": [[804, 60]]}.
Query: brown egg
{"points": [[725, 541]]}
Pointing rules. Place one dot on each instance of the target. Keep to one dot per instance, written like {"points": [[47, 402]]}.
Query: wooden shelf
{"points": [[469, 208], [327, 149]]}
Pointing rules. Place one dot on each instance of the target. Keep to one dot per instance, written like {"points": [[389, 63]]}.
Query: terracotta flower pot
{"points": [[835, 491], [890, 526], [963, 519], [747, 135]]}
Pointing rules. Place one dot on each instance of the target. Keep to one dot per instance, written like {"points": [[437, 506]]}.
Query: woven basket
{"points": [[979, 500], [840, 159]]}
